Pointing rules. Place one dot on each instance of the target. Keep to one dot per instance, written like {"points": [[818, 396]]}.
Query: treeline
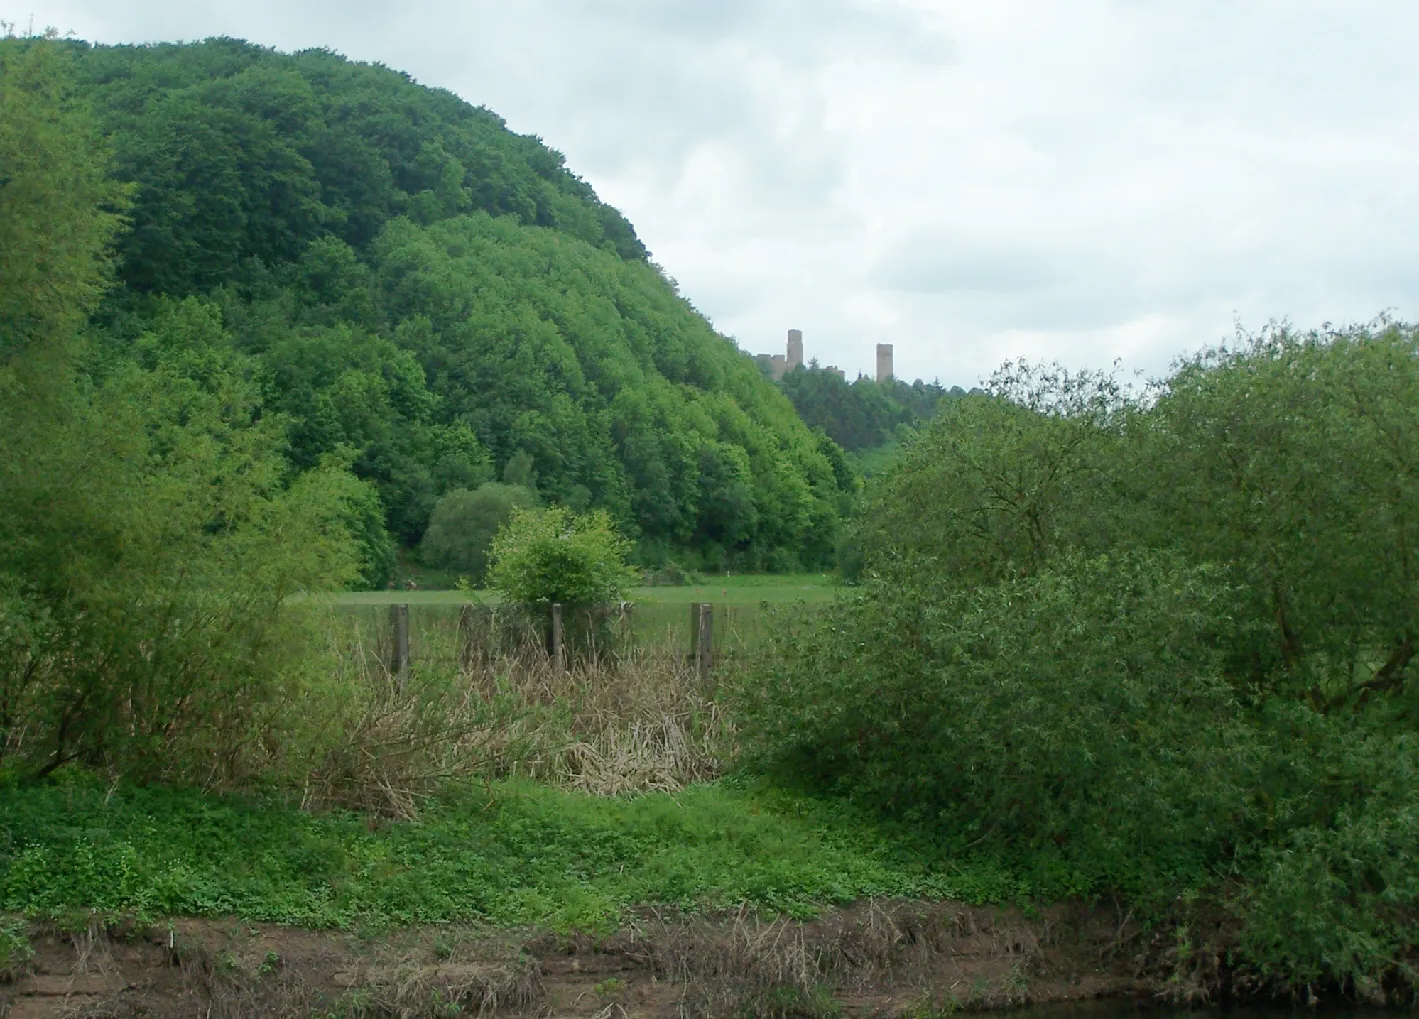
{"points": [[1157, 645], [864, 414], [417, 292]]}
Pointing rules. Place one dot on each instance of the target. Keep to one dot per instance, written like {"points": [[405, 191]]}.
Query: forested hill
{"points": [[429, 295], [865, 414]]}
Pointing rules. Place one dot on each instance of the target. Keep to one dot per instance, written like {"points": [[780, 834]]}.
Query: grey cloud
{"points": [[967, 180], [946, 264]]}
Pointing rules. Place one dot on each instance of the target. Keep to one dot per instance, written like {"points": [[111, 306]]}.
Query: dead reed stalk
{"points": [[610, 724]]}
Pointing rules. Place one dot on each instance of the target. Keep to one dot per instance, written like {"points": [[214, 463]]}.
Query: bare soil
{"points": [[874, 958]]}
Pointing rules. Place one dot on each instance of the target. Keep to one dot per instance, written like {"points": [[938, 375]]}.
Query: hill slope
{"points": [[428, 294]]}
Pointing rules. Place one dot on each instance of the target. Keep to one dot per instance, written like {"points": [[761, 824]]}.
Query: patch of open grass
{"points": [[506, 854], [746, 590]]}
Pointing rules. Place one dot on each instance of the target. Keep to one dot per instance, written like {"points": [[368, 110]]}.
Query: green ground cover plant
{"points": [[508, 853]]}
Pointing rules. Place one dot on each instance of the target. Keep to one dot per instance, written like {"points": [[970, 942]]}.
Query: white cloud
{"points": [[970, 181]]}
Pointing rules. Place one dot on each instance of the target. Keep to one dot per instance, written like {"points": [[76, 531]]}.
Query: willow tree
{"points": [[149, 530]]}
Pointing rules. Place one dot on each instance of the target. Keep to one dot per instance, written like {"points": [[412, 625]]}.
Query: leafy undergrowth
{"points": [[509, 854]]}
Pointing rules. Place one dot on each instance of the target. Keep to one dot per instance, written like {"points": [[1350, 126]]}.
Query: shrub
{"points": [[1077, 711], [553, 555], [144, 617]]}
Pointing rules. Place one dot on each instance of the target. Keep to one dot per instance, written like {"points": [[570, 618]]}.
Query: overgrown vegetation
{"points": [[1162, 639], [1157, 646]]}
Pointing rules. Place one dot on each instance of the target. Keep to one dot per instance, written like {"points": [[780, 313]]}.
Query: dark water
{"points": [[1129, 1010]]}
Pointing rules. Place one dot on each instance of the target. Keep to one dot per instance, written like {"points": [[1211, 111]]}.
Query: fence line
{"points": [[477, 635]]}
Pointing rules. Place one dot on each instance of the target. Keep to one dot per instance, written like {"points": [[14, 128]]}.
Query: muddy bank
{"points": [[879, 958]]}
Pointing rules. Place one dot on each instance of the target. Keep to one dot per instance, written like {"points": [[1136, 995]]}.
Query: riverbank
{"points": [[520, 898], [881, 957]]}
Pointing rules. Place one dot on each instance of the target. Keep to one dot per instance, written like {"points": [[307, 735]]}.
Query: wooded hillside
{"points": [[428, 295]]}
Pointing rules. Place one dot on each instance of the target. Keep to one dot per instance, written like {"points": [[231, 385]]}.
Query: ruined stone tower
{"points": [[884, 361], [795, 348]]}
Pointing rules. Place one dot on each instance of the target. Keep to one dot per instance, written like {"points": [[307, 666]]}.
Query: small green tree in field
{"points": [[554, 555]]}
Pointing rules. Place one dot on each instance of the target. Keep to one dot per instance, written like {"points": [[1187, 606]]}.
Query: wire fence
{"points": [[474, 635]]}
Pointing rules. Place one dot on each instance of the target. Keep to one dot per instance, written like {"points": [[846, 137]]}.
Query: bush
{"points": [[1079, 711], [553, 555], [1046, 660], [144, 617], [461, 529]]}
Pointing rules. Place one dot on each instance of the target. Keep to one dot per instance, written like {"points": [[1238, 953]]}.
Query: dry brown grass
{"points": [[610, 724], [233, 976], [940, 955]]}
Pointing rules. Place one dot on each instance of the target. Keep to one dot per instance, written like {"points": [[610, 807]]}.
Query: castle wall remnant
{"points": [[884, 362], [780, 364], [795, 348]]}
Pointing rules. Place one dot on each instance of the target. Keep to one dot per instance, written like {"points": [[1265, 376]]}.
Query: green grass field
{"points": [[735, 591]]}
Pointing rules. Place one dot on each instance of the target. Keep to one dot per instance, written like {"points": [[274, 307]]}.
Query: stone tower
{"points": [[795, 348], [884, 362]]}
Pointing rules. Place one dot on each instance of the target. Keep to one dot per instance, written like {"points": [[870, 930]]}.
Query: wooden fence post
{"points": [[625, 626], [694, 655], [399, 659], [558, 657], [704, 645], [467, 638]]}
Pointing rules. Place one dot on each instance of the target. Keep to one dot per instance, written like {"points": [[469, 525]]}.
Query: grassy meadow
{"points": [[734, 590], [747, 609]]}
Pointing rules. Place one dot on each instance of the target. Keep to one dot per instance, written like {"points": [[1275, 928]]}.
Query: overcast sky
{"points": [[969, 180]]}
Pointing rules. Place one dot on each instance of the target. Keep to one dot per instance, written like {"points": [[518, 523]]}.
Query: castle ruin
{"points": [[884, 362], [795, 348], [779, 365]]}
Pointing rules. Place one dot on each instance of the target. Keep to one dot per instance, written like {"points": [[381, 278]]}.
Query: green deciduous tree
{"points": [[463, 524], [53, 262], [863, 414], [1001, 481]]}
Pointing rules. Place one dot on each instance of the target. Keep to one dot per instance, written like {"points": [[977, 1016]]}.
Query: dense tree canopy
{"points": [[863, 414], [430, 296]]}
